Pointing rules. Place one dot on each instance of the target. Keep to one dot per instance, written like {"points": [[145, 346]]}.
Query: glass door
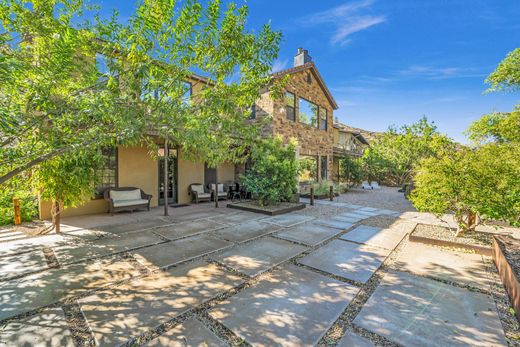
{"points": [[172, 176]]}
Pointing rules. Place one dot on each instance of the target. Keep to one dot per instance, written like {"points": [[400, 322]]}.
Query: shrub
{"points": [[28, 201], [350, 171], [273, 174], [323, 188]]}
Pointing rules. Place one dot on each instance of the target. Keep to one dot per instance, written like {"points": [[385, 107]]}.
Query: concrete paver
{"points": [[238, 218], [288, 220], [20, 264], [190, 333], [176, 231], [293, 307], [346, 259], [310, 234], [115, 315], [173, 252], [48, 328], [142, 225], [44, 288], [387, 238], [259, 256], [334, 223], [246, 231], [443, 264], [105, 246], [366, 213], [416, 311], [352, 340], [348, 219]]}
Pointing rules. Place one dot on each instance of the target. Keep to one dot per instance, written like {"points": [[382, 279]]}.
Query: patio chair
{"points": [[366, 185], [126, 199], [375, 185], [198, 193], [221, 193]]}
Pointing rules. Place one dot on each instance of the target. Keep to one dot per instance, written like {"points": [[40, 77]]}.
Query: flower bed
{"points": [[441, 236], [506, 255], [270, 210]]}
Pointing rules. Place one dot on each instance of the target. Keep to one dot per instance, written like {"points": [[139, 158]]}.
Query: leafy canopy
{"points": [[506, 77], [273, 175], [393, 156]]}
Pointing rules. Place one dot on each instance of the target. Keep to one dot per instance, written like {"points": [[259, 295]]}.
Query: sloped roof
{"points": [[364, 136], [314, 69]]}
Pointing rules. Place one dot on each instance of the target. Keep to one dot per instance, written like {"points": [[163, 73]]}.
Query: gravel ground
{"points": [[381, 221], [384, 198], [445, 234]]}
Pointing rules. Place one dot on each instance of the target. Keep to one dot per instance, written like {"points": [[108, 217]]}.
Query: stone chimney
{"points": [[302, 57]]}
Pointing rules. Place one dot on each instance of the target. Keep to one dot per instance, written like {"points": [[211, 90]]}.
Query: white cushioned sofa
{"points": [[126, 199]]}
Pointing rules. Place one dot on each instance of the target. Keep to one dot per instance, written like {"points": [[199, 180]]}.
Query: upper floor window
{"points": [[290, 105], [308, 112], [323, 119]]}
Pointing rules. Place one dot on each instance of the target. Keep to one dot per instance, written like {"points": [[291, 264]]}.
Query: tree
{"points": [[393, 156], [59, 99], [67, 181], [350, 170], [479, 183], [273, 175]]}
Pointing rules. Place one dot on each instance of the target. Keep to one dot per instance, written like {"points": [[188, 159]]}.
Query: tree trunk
{"points": [[165, 182], [56, 217], [466, 223]]}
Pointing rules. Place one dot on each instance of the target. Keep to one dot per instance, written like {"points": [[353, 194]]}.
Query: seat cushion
{"points": [[122, 203], [125, 194], [204, 195], [198, 188], [220, 188]]}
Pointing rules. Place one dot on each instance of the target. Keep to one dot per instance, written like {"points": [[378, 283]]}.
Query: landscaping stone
{"points": [[334, 223], [142, 225], [259, 256], [20, 264], [189, 333], [44, 288], [246, 231], [346, 259], [106, 246], [116, 315], [48, 328], [308, 233], [352, 340], [387, 238], [443, 264], [416, 311], [238, 218], [185, 229], [173, 252], [288, 220], [293, 307]]}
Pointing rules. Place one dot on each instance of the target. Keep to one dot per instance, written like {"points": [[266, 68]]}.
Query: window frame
{"points": [[102, 186], [320, 119], [293, 119], [317, 112]]}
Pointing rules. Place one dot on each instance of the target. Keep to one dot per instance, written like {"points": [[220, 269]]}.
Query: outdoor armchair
{"points": [[198, 193]]}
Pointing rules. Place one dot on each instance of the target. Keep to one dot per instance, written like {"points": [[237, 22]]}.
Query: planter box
{"points": [[507, 275], [320, 197], [483, 250], [273, 212]]}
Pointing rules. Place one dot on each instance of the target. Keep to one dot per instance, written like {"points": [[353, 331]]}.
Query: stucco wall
{"points": [[189, 172]]}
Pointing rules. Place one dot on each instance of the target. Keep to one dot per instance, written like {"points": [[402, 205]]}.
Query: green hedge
{"points": [[28, 203]]}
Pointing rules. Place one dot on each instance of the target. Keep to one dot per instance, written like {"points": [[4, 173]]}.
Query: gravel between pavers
{"points": [[384, 198], [445, 234]]}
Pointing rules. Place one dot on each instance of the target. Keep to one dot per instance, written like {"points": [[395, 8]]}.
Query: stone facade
{"points": [[304, 82]]}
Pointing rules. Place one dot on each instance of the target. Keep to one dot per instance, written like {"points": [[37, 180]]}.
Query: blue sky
{"points": [[391, 62]]}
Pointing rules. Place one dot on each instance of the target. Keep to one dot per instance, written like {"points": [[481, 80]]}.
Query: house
{"points": [[348, 141], [306, 113]]}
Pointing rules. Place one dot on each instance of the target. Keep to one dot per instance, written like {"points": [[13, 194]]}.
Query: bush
{"points": [[273, 175], [28, 201], [350, 171], [323, 188]]}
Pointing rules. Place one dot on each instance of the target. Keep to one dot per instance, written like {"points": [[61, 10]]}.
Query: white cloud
{"points": [[346, 19]]}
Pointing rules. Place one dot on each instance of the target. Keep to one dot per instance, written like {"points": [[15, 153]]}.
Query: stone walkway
{"points": [[221, 277]]}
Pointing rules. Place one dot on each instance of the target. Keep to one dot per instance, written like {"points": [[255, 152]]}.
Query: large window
{"points": [[323, 118], [323, 167], [308, 112], [290, 105], [107, 174], [308, 168]]}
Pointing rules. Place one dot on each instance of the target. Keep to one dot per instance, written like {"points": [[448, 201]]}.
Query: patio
{"points": [[338, 273]]}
